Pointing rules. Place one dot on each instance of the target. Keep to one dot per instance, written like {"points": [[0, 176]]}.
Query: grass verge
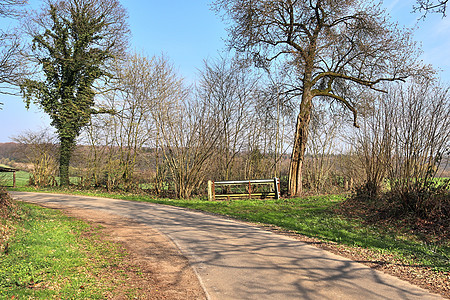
{"points": [[318, 217], [49, 255]]}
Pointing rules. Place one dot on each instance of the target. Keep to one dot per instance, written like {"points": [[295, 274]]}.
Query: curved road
{"points": [[238, 261]]}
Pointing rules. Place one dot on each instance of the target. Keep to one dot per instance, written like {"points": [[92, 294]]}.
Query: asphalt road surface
{"points": [[235, 260]]}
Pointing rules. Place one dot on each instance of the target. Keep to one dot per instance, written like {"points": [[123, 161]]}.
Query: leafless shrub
{"points": [[374, 145], [421, 134], [41, 150], [401, 145], [321, 151], [188, 136], [227, 91]]}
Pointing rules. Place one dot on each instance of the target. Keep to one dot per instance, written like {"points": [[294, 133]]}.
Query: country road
{"points": [[234, 260]]}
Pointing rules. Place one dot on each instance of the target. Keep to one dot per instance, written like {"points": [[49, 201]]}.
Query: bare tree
{"points": [[11, 64], [41, 151], [227, 90], [331, 46], [280, 111], [133, 101], [250, 118], [265, 139], [95, 154], [165, 94], [188, 135], [151, 109], [421, 140], [180, 128], [374, 142], [12, 8]]}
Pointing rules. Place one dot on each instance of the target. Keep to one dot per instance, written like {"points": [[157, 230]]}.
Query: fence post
{"points": [[210, 190], [276, 188]]}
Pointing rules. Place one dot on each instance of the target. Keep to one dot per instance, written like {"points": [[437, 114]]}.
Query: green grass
{"points": [[21, 178], [316, 217], [50, 256]]}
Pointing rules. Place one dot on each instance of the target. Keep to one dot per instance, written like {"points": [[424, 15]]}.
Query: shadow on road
{"points": [[238, 261]]}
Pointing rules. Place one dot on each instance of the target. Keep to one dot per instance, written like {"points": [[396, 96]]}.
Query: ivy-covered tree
{"points": [[73, 42]]}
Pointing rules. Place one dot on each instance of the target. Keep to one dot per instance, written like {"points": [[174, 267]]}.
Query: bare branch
{"points": [[360, 81], [433, 6], [341, 100]]}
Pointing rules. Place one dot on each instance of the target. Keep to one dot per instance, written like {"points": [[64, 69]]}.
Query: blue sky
{"points": [[188, 32]]}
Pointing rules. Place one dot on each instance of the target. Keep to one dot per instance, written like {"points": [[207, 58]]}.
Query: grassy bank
{"points": [[48, 255], [319, 217]]}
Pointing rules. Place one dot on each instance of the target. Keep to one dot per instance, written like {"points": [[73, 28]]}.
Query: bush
{"points": [[425, 210]]}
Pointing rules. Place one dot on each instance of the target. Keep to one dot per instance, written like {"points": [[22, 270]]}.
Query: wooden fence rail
{"points": [[274, 193]]}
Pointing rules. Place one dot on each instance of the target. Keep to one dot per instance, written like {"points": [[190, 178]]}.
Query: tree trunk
{"points": [[66, 148], [301, 137]]}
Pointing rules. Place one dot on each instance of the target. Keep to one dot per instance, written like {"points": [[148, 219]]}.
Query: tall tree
{"points": [[73, 43], [332, 47]]}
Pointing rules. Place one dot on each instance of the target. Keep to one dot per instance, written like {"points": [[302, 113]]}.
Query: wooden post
{"points": [[276, 188], [210, 190], [279, 187], [249, 190], [14, 179]]}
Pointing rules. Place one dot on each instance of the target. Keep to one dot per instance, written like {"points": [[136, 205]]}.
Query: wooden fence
{"points": [[250, 186], [10, 170]]}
